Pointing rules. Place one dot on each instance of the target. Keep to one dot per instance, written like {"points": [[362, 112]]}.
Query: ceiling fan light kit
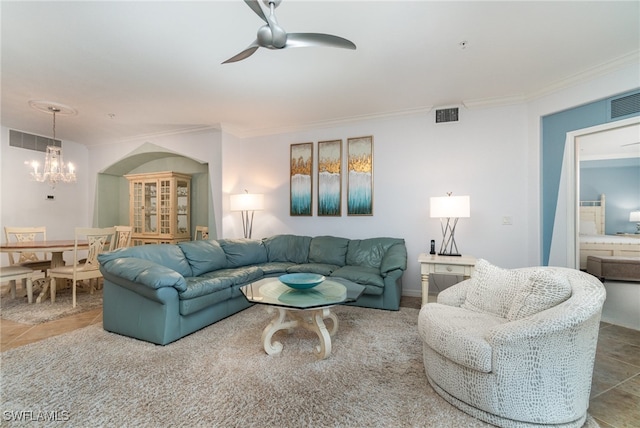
{"points": [[273, 36]]}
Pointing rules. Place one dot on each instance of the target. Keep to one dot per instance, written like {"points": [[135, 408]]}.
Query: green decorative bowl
{"points": [[301, 281]]}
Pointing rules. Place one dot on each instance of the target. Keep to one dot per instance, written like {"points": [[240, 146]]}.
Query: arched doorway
{"points": [[111, 205]]}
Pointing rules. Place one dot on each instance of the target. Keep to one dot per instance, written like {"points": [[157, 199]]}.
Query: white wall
{"points": [[24, 201], [484, 155], [204, 146], [492, 154]]}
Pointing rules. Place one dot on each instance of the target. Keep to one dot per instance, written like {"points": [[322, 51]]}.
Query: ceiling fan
{"points": [[273, 36]]}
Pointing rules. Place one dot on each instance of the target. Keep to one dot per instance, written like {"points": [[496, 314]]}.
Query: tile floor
{"points": [[615, 392]]}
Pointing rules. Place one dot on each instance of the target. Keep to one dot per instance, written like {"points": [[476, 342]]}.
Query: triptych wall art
{"points": [[359, 164]]}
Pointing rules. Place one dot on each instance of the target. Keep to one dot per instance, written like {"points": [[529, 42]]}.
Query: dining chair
{"points": [[123, 237], [18, 273], [203, 231], [99, 240], [28, 234]]}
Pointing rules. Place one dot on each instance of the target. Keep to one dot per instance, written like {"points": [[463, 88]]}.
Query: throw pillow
{"points": [[544, 290], [493, 289]]}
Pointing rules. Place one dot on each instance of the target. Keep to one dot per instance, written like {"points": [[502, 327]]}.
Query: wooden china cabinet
{"points": [[159, 207]]}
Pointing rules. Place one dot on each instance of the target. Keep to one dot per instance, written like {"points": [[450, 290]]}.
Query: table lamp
{"points": [[634, 217], [449, 209]]}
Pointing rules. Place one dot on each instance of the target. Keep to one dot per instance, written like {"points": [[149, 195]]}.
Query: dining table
{"points": [[55, 247]]}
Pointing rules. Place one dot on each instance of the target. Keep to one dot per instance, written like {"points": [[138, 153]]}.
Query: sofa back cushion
{"points": [[204, 256], [328, 250], [287, 248], [493, 289], [169, 255], [369, 252], [544, 289], [243, 252]]}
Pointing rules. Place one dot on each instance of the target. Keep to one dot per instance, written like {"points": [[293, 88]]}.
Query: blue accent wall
{"points": [[554, 128], [619, 180]]}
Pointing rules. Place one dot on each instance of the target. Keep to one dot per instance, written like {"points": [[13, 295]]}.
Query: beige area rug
{"points": [[221, 377], [19, 310]]}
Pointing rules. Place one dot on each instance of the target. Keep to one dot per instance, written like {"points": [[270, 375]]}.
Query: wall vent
{"points": [[30, 141], [625, 106], [447, 115]]}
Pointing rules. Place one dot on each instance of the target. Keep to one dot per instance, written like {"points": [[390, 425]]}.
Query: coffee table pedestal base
{"points": [[309, 319]]}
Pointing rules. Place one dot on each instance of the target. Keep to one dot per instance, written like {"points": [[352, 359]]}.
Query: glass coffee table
{"points": [[301, 308]]}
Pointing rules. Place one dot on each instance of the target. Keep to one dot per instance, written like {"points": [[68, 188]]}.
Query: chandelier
{"points": [[55, 171]]}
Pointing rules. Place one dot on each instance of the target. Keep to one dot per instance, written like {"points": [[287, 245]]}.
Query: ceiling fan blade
{"points": [[255, 6], [298, 40], [244, 54]]}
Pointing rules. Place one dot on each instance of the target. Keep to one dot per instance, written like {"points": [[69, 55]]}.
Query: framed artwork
{"points": [[330, 178], [301, 180], [360, 176]]}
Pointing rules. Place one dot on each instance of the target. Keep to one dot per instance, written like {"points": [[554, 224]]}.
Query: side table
{"points": [[444, 265]]}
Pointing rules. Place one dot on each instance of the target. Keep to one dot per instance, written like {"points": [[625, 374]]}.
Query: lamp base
{"points": [[452, 255]]}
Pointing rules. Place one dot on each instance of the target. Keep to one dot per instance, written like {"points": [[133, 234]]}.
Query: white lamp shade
{"points": [[450, 206], [634, 216], [246, 202]]}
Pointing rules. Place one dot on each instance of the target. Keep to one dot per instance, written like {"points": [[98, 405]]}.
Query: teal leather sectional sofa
{"points": [[162, 292]]}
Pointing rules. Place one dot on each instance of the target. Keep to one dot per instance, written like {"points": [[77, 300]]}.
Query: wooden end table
{"points": [[444, 265]]}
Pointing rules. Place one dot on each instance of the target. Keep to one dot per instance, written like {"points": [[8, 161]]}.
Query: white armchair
{"points": [[516, 347]]}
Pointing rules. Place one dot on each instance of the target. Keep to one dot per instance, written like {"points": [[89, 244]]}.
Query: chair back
{"points": [[123, 237], [24, 234], [100, 240], [203, 232]]}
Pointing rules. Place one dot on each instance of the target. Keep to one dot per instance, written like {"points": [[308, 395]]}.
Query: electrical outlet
{"points": [[50, 197], [507, 220]]}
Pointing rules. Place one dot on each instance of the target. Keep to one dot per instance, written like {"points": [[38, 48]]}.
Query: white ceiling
{"points": [[138, 68]]}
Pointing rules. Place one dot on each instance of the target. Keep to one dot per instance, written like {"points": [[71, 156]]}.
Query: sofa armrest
{"points": [[144, 272], [455, 295], [394, 258]]}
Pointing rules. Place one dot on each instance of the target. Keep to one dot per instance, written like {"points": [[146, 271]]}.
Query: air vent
{"points": [[30, 141], [625, 106], [447, 115]]}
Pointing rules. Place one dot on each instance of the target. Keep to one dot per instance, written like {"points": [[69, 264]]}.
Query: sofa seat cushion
{"points": [[191, 306], [493, 289], [544, 289], [204, 256], [238, 276], [243, 252], [200, 286], [361, 275], [274, 268], [319, 268], [329, 250], [459, 334], [287, 248]]}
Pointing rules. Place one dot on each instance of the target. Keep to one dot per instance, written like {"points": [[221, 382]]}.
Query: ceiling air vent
{"points": [[625, 106], [30, 141], [447, 115]]}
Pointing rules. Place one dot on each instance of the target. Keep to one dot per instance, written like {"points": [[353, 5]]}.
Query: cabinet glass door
{"points": [[150, 207], [182, 187]]}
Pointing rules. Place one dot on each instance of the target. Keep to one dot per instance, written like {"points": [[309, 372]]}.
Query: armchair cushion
{"points": [[542, 291], [462, 338], [493, 289]]}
